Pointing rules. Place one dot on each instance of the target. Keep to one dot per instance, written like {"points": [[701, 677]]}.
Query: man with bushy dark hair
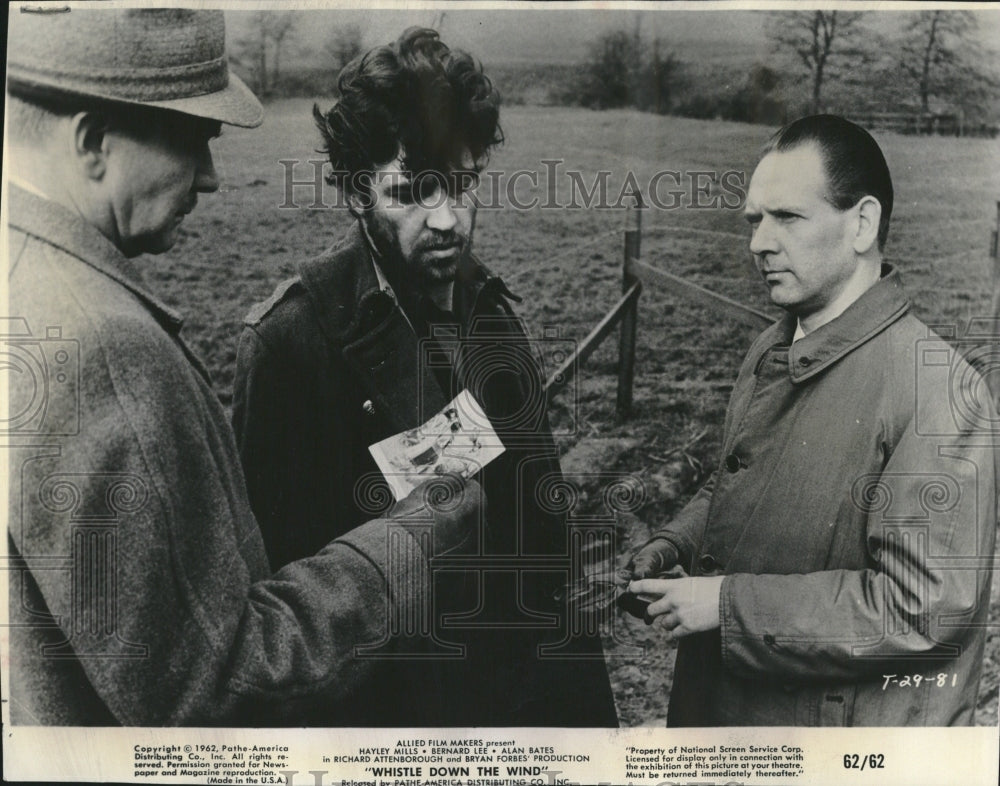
{"points": [[416, 99], [377, 335]]}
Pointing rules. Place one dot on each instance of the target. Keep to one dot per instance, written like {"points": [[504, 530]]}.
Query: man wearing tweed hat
{"points": [[140, 592]]}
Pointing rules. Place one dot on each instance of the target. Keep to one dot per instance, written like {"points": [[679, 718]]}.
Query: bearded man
{"points": [[378, 334]]}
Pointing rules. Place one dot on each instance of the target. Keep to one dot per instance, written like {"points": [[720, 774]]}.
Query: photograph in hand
{"points": [[458, 440]]}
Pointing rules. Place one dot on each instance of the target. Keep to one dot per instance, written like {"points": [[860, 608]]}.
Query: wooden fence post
{"points": [[995, 256], [995, 240], [630, 317]]}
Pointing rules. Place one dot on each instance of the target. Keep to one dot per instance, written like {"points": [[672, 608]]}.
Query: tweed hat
{"points": [[172, 58]]}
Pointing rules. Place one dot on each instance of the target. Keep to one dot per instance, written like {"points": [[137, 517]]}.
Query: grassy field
{"points": [[566, 264]]}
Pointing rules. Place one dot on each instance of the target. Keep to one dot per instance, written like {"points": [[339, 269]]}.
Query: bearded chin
{"points": [[422, 269], [436, 270]]}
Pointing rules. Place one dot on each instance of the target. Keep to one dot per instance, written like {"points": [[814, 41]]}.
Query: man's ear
{"points": [[90, 142], [869, 213], [354, 204], [360, 200]]}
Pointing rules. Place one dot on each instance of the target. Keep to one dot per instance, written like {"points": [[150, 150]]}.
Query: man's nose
{"points": [[441, 216], [206, 179], [762, 240]]}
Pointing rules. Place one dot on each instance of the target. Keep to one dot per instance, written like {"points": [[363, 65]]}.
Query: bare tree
{"points": [[663, 72], [822, 40], [250, 53], [940, 57], [623, 70], [345, 43], [279, 27], [608, 78], [260, 51]]}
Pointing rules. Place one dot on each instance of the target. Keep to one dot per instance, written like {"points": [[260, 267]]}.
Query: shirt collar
{"points": [[373, 255], [870, 314], [382, 282], [799, 332], [471, 278], [855, 288]]}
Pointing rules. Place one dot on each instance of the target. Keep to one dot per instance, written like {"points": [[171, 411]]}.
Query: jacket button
{"points": [[368, 407], [707, 563], [733, 463], [804, 361], [769, 639]]}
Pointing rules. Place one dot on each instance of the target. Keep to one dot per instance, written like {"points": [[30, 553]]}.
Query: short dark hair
{"points": [[414, 95], [853, 162]]}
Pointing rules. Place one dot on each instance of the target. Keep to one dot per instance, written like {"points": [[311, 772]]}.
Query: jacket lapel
{"points": [[388, 361], [366, 327]]}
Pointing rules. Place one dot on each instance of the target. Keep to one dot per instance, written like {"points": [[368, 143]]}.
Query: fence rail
{"points": [[744, 313], [625, 313], [564, 374], [941, 123]]}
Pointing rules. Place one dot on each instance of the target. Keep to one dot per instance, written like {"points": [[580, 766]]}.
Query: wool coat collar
{"points": [[55, 225], [878, 308], [58, 226]]}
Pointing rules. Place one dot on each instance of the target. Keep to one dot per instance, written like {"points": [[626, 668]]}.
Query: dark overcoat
{"points": [[330, 365]]}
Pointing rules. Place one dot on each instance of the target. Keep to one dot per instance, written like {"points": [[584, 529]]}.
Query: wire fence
{"points": [[637, 271]]}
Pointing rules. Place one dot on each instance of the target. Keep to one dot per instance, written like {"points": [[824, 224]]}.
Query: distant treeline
{"points": [[927, 78], [722, 94]]}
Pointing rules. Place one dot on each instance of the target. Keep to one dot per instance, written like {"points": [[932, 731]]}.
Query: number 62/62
{"points": [[871, 761]]}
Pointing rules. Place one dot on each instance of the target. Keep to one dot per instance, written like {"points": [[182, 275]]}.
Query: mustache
{"points": [[442, 242]]}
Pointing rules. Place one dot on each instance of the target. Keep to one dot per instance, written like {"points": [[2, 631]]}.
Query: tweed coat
{"points": [[140, 592]]}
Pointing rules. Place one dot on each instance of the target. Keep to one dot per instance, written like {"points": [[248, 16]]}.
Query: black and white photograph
{"points": [[459, 440], [493, 394]]}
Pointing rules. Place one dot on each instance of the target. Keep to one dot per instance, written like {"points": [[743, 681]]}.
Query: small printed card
{"points": [[458, 440]]}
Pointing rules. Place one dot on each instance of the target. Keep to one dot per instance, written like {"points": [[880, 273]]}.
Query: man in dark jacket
{"points": [[140, 592], [840, 556], [376, 336]]}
